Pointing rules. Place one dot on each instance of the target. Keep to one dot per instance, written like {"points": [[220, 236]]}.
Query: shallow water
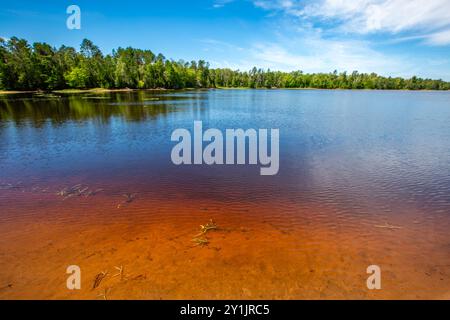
{"points": [[364, 179]]}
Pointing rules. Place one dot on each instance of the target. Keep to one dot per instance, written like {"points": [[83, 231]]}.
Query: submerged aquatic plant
{"points": [[200, 241], [119, 273], [98, 279], [129, 198], [93, 192], [104, 294], [77, 190], [207, 227], [68, 192]]}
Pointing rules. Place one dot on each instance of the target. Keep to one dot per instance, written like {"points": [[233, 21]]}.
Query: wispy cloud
{"points": [[221, 3], [439, 38], [219, 45], [373, 16], [312, 54], [325, 56], [276, 4], [385, 15]]}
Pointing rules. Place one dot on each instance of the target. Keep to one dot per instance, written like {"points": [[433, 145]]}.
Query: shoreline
{"points": [[93, 90], [102, 90]]}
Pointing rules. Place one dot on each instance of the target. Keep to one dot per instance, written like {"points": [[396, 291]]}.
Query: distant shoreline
{"points": [[102, 90], [94, 90], [327, 89]]}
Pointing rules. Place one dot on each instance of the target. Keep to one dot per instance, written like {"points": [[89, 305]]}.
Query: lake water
{"points": [[364, 180]]}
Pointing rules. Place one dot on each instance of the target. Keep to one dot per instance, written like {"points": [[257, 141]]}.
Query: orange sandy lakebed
{"points": [[253, 254]]}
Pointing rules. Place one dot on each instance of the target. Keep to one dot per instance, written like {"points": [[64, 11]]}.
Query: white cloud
{"points": [[374, 16], [385, 15], [439, 38]]}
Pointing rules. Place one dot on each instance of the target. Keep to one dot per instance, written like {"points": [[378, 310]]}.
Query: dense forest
{"points": [[42, 67]]}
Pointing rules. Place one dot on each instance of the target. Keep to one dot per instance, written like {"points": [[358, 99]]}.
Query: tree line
{"points": [[42, 67]]}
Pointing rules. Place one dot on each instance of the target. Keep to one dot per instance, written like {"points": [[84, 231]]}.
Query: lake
{"points": [[87, 179]]}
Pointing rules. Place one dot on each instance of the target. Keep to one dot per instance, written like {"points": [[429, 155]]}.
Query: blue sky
{"points": [[390, 37]]}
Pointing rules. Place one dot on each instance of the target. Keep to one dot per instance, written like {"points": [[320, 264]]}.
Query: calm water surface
{"points": [[364, 179]]}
